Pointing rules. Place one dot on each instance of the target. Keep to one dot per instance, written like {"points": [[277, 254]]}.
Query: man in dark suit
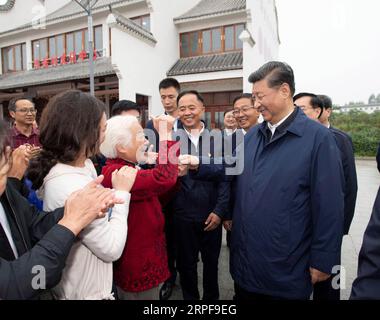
{"points": [[314, 107], [367, 284], [287, 230]]}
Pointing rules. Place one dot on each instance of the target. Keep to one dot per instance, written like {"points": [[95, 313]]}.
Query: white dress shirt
{"points": [[194, 138], [273, 127]]}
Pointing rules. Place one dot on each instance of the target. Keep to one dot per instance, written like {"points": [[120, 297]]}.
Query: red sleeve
{"points": [[162, 178]]}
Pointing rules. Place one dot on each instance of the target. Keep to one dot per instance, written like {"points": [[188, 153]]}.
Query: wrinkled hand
{"points": [[164, 126], [192, 162], [20, 162], [318, 276], [150, 157], [227, 224], [124, 178], [85, 205], [212, 222]]}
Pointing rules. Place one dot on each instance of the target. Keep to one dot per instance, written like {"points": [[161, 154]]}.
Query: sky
{"points": [[333, 46]]}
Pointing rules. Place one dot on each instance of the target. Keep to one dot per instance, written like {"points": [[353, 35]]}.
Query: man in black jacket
{"points": [[367, 284], [34, 245], [319, 109], [199, 206]]}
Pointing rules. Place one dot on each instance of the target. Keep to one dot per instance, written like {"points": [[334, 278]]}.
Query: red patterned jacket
{"points": [[143, 264]]}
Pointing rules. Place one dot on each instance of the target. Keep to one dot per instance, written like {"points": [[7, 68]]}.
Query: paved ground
{"points": [[369, 181]]}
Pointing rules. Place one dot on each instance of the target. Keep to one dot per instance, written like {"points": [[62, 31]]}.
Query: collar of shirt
{"points": [[229, 132], [195, 138], [273, 127], [244, 132], [16, 132], [5, 224]]}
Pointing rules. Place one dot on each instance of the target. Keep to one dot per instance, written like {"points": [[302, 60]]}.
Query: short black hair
{"points": [[326, 100], [227, 111], [12, 103], [242, 96], [276, 73], [193, 92], [124, 105], [315, 101], [168, 83]]}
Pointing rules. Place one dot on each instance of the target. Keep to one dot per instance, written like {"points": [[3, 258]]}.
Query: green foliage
{"points": [[363, 128]]}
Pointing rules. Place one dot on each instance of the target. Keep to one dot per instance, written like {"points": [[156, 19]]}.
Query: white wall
{"points": [[143, 66], [262, 25]]}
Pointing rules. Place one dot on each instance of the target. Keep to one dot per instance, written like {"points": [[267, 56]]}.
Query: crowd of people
{"points": [[112, 210]]}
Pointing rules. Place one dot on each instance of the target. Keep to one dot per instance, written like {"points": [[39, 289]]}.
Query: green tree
{"points": [[372, 99]]}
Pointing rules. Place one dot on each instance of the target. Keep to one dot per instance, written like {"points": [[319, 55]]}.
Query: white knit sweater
{"points": [[88, 271]]}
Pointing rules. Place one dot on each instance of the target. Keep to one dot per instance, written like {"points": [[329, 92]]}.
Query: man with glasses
{"points": [[23, 112], [244, 112]]}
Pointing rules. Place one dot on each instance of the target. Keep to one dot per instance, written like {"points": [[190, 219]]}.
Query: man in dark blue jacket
{"points": [[199, 206], [288, 214], [313, 106], [367, 284]]}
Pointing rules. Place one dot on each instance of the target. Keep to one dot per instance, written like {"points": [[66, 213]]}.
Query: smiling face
{"points": [[135, 150], [190, 111], [230, 121], [272, 103], [245, 114]]}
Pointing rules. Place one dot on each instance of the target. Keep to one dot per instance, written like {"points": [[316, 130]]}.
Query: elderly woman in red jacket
{"points": [[143, 264]]}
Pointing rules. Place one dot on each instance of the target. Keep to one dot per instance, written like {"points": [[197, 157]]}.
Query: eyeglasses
{"points": [[25, 110], [236, 112]]}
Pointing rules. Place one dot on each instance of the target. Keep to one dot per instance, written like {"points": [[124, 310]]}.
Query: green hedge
{"points": [[362, 127]]}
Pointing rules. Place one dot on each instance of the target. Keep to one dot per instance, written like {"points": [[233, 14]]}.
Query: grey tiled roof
{"points": [[134, 27], [212, 7], [69, 11], [209, 63], [67, 72]]}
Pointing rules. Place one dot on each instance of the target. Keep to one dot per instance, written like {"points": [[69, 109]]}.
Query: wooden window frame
{"points": [[200, 41], [14, 57], [83, 30], [140, 18]]}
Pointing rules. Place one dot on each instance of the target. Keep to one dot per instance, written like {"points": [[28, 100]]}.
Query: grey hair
{"points": [[118, 132]]}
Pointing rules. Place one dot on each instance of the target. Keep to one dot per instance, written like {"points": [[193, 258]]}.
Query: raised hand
{"points": [[124, 178]]}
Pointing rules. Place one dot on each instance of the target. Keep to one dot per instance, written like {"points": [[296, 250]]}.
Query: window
{"points": [[232, 41], [185, 45], [69, 43], [215, 40], [142, 21], [98, 38], [78, 41], [206, 35], [14, 58], [65, 44]]}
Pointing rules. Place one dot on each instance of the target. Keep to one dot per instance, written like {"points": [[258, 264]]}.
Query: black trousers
{"points": [[191, 239]]}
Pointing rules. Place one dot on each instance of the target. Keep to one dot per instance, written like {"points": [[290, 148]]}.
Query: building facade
{"points": [[368, 108], [208, 45]]}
